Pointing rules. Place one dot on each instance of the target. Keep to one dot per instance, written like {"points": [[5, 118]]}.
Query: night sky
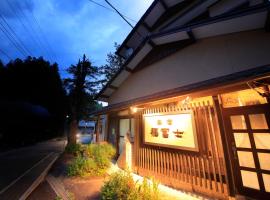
{"points": [[63, 30]]}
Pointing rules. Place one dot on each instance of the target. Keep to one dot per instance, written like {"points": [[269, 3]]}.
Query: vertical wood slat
{"points": [[178, 167], [200, 170], [210, 151], [209, 134], [210, 111], [183, 171]]}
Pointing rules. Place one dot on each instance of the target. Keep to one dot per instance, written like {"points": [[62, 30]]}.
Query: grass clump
{"points": [[121, 186], [94, 160], [75, 149]]}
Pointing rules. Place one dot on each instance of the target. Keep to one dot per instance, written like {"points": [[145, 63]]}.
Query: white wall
{"points": [[206, 59]]}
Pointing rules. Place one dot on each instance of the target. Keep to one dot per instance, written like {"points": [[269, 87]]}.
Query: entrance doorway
{"points": [[248, 134], [125, 126]]}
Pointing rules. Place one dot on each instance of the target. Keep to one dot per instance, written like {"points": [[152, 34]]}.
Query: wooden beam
{"points": [[151, 43], [267, 22], [164, 4], [104, 96], [128, 69], [191, 35], [112, 87], [226, 146], [149, 29]]}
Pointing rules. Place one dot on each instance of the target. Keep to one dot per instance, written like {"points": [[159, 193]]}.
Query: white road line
{"points": [[13, 182]]}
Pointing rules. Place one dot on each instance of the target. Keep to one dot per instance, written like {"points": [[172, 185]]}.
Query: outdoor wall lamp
{"points": [[135, 109]]}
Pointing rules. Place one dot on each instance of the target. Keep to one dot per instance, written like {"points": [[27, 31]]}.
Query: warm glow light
{"points": [[177, 130], [134, 109], [165, 190]]}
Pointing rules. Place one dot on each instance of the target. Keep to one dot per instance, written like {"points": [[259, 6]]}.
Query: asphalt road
{"points": [[15, 163]]}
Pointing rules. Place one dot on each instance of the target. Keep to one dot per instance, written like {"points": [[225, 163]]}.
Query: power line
{"points": [[12, 40], [4, 53], [41, 31], [39, 38], [122, 16], [15, 36], [112, 10], [29, 32]]}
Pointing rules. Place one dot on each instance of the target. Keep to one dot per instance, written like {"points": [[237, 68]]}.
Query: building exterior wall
{"points": [[206, 59]]}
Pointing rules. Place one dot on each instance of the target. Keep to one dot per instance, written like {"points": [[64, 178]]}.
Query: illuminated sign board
{"points": [[171, 130]]}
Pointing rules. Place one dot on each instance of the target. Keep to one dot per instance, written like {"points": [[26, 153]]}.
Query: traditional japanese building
{"points": [[194, 96]]}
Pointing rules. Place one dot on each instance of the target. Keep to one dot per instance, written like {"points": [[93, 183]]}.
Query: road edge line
{"points": [[38, 180], [18, 178]]}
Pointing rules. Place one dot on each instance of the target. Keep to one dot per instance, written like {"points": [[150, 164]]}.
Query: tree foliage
{"points": [[114, 62], [81, 87], [32, 100]]}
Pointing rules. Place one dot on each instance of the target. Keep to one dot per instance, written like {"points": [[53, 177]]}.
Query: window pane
{"points": [[250, 179], [262, 140], [124, 126], [242, 140], [264, 159], [266, 180], [258, 121], [245, 159], [238, 122]]}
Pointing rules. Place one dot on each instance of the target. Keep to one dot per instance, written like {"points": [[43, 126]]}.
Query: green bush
{"points": [[121, 186], [75, 149], [101, 153], [82, 166], [94, 160]]}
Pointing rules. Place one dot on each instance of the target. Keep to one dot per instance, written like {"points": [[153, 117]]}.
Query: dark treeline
{"points": [[33, 102]]}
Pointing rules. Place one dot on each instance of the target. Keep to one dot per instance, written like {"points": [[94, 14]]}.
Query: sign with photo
{"points": [[171, 130]]}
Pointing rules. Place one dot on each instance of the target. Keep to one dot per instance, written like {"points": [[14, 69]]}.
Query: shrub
{"points": [[82, 166], [122, 186], [101, 153], [75, 149], [94, 160], [119, 187]]}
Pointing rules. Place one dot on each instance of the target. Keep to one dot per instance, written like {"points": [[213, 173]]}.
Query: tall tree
{"points": [[114, 62], [32, 100], [81, 87]]}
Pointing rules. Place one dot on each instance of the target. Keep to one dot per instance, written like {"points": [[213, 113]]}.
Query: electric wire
{"points": [[41, 31], [10, 30], [35, 32], [112, 10], [122, 16], [27, 29], [12, 40]]}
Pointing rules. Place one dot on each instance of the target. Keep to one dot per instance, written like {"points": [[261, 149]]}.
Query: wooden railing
{"points": [[203, 172]]}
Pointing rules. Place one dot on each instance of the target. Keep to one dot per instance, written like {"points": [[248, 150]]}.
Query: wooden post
{"points": [[226, 147], [97, 129]]}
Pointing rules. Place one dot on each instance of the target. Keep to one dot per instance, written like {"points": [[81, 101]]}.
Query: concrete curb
{"points": [[41, 177], [57, 187]]}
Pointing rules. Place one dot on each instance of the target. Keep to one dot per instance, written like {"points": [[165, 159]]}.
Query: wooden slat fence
{"points": [[202, 172]]}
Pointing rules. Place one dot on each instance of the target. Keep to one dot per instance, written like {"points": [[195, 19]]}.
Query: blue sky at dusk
{"points": [[71, 27]]}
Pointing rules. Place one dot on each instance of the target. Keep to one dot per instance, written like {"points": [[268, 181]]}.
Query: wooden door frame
{"points": [[226, 112]]}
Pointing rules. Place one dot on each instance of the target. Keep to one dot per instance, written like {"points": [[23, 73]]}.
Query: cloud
{"points": [[72, 28], [9, 8]]}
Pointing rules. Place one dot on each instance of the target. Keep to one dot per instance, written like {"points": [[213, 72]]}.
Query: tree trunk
{"points": [[72, 132]]}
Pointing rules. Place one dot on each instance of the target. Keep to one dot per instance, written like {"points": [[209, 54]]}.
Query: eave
{"points": [[212, 84], [192, 31]]}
